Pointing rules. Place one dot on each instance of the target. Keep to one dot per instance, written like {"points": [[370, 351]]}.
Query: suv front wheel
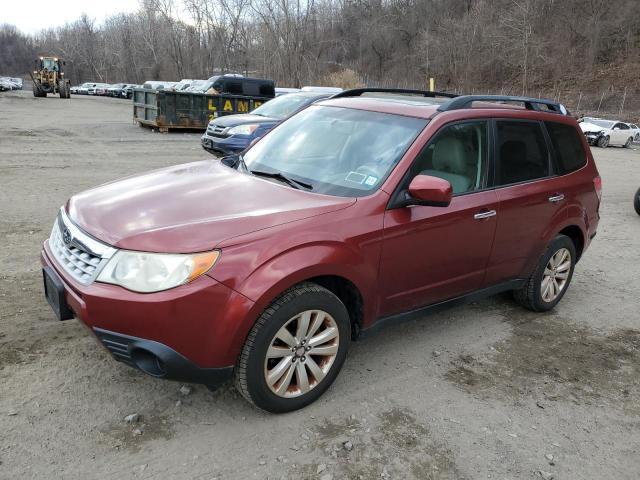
{"points": [[550, 280], [295, 350]]}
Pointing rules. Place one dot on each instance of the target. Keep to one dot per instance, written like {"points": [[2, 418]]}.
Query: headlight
{"points": [[153, 272], [247, 129]]}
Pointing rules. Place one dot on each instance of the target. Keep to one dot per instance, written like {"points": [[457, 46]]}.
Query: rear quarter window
{"points": [[569, 152]]}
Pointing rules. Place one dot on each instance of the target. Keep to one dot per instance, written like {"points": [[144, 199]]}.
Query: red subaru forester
{"points": [[368, 208]]}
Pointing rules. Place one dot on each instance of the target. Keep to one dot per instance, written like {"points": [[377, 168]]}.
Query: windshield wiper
{"points": [[283, 178]]}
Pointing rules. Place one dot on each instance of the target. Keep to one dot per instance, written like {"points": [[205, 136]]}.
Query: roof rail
{"points": [[356, 92], [465, 101]]}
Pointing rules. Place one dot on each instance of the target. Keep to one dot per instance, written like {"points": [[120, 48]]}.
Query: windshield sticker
{"points": [[371, 181], [356, 177]]}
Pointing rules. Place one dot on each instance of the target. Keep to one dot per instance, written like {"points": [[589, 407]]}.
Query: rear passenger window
{"points": [[250, 88], [522, 153], [267, 90], [234, 88], [570, 155]]}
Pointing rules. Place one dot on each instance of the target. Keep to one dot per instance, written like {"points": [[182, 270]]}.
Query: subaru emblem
{"points": [[66, 236]]}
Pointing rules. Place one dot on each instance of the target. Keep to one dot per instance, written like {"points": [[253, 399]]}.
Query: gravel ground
{"points": [[486, 390]]}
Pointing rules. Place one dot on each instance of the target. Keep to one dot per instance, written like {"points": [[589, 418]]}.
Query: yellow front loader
{"points": [[48, 77]]}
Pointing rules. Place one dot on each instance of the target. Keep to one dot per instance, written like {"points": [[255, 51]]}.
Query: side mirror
{"points": [[430, 191]]}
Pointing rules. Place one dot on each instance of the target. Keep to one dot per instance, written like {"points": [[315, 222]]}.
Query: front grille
{"points": [[217, 131], [77, 253]]}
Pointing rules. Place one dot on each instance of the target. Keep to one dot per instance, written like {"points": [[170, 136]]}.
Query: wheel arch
{"points": [[349, 295], [576, 235]]}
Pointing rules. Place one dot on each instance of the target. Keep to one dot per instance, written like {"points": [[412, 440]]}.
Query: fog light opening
{"points": [[148, 362]]}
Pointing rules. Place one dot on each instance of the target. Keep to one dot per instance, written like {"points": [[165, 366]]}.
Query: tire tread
{"points": [[240, 371], [526, 296]]}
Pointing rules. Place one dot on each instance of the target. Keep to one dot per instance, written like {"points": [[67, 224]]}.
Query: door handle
{"points": [[556, 198], [485, 214]]}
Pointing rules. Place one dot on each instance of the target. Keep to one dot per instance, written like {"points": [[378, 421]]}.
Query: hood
{"points": [[591, 127], [191, 208], [241, 119]]}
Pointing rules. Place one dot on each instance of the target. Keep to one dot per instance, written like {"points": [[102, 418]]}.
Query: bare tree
{"points": [[538, 47]]}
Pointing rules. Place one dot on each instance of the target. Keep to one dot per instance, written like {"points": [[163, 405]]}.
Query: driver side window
{"points": [[458, 154]]}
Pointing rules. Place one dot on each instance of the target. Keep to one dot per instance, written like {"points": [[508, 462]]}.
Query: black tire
{"points": [[603, 142], [250, 370], [636, 202], [62, 89], [530, 295], [628, 142]]}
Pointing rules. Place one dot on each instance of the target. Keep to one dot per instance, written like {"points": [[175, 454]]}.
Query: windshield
{"points": [[285, 105], [49, 63], [600, 123], [338, 151], [196, 85]]}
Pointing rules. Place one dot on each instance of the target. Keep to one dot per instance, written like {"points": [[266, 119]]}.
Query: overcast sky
{"points": [[30, 16]]}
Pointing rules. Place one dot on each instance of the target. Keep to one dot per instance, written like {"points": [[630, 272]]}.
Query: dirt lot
{"points": [[482, 391]]}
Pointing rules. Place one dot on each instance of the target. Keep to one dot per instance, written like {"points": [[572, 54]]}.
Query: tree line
{"points": [[505, 46]]}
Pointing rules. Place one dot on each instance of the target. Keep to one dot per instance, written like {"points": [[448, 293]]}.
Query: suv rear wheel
{"points": [[295, 350], [550, 280], [628, 142]]}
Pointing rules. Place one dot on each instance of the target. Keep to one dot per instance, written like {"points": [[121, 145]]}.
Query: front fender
{"points": [[294, 266], [312, 260]]}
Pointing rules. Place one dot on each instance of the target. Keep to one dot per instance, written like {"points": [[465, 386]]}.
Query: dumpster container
{"points": [[166, 109]]}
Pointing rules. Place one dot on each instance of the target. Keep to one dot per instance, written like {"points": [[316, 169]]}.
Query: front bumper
{"points": [[189, 333], [592, 138], [159, 360], [224, 146]]}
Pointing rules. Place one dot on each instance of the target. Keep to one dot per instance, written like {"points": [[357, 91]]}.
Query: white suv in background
{"points": [[603, 132], [636, 131]]}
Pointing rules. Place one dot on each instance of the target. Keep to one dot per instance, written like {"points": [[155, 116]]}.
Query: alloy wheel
{"points": [[301, 353], [556, 274]]}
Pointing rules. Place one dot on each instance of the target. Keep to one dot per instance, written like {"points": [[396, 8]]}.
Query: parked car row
{"points": [[603, 133], [231, 83], [10, 83], [118, 90], [196, 85]]}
